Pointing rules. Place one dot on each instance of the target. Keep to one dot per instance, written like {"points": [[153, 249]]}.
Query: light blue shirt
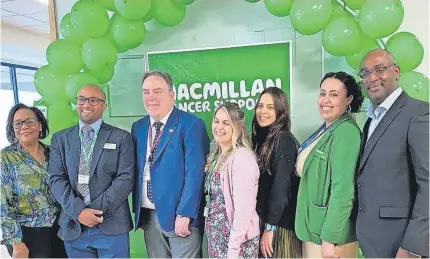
{"points": [[378, 114], [96, 127]]}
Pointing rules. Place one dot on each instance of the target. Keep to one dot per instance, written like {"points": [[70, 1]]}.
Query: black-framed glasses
{"points": [[379, 71], [31, 122], [93, 101]]}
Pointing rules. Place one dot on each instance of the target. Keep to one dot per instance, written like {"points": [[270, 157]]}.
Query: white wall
{"points": [[23, 47]]}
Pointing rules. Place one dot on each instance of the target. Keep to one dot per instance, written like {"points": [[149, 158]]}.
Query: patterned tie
{"points": [[157, 125], [84, 165]]}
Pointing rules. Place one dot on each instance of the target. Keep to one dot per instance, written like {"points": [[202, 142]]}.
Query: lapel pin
{"points": [[170, 130]]}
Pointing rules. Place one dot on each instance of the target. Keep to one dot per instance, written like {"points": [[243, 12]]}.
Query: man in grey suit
{"points": [[91, 174], [393, 176]]}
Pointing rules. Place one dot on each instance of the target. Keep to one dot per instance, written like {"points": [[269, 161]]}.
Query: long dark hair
{"points": [[281, 125], [10, 134]]}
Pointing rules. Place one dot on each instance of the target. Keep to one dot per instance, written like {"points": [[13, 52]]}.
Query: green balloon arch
{"points": [[88, 52]]}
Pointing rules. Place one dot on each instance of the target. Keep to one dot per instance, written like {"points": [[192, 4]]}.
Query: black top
{"points": [[278, 186]]}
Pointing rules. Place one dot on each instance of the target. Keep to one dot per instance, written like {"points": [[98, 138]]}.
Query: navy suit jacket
{"points": [[111, 180], [177, 171]]}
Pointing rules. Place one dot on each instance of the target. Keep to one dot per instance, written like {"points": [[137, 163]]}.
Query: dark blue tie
{"points": [[157, 126]]}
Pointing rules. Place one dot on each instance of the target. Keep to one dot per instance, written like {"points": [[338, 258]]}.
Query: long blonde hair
{"points": [[240, 136]]}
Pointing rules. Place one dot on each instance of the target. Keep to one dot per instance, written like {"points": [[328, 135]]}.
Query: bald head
{"points": [[94, 89], [91, 104], [379, 74], [381, 54]]}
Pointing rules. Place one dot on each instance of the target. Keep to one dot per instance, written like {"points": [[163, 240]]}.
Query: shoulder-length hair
{"points": [[10, 133]]}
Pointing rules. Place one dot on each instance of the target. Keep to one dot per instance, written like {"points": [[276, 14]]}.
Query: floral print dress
{"points": [[218, 227]]}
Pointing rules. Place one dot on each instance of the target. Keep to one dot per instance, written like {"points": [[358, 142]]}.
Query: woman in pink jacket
{"points": [[232, 223]]}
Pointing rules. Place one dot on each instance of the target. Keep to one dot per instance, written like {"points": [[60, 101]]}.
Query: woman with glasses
{"points": [[28, 209], [327, 164]]}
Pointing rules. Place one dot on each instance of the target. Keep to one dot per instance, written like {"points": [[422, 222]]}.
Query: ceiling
{"points": [[31, 15]]}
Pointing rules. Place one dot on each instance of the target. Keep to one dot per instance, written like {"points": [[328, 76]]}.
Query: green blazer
{"points": [[326, 192]]}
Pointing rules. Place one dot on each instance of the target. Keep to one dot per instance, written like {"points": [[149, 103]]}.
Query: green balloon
{"points": [[61, 116], [341, 36], [75, 83], [108, 4], [415, 85], [354, 4], [90, 18], [50, 84], [168, 13], [127, 34], [310, 16], [65, 56], [279, 8], [103, 76], [354, 59], [98, 53], [133, 9], [149, 15], [69, 32], [338, 11], [252, 1], [381, 18], [399, 35], [407, 50]]}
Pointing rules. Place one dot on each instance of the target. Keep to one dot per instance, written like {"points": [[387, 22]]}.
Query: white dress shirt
{"points": [[377, 114], [146, 203]]}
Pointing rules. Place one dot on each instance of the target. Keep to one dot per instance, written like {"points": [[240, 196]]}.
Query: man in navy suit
{"points": [[171, 147], [91, 174]]}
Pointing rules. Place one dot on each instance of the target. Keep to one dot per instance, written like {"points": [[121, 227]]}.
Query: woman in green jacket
{"points": [[326, 165]]}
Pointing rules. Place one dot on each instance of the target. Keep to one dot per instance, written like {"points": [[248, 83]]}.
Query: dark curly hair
{"points": [[10, 134], [352, 88]]}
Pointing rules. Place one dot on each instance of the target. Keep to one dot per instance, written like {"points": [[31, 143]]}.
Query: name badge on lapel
{"points": [[109, 146]]}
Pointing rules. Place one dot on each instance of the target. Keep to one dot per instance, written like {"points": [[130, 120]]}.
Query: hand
{"points": [[327, 250], [266, 244], [20, 250], [402, 253], [88, 217], [181, 226]]}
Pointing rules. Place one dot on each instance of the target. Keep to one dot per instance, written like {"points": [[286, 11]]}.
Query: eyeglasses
{"points": [[29, 122], [379, 71], [93, 101]]}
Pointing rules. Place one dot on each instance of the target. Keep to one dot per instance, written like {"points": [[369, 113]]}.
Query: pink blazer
{"points": [[239, 180]]}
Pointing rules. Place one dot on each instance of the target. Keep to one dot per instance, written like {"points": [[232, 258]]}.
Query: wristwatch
{"points": [[270, 227]]}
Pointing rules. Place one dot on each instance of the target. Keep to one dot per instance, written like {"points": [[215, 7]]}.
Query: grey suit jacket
{"points": [[111, 180], [393, 182]]}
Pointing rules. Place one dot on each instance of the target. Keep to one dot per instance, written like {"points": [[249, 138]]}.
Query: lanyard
{"points": [[152, 145], [311, 139], [208, 181], [87, 155]]}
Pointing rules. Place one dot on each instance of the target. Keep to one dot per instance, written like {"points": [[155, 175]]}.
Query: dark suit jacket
{"points": [[393, 182], [177, 171], [111, 180]]}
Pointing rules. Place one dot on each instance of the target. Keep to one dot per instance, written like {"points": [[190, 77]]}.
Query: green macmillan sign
{"points": [[206, 78]]}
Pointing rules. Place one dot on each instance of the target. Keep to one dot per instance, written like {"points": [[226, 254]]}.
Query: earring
{"points": [[348, 108]]}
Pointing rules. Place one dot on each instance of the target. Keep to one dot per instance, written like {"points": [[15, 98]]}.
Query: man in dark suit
{"points": [[91, 171], [171, 148], [393, 177]]}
